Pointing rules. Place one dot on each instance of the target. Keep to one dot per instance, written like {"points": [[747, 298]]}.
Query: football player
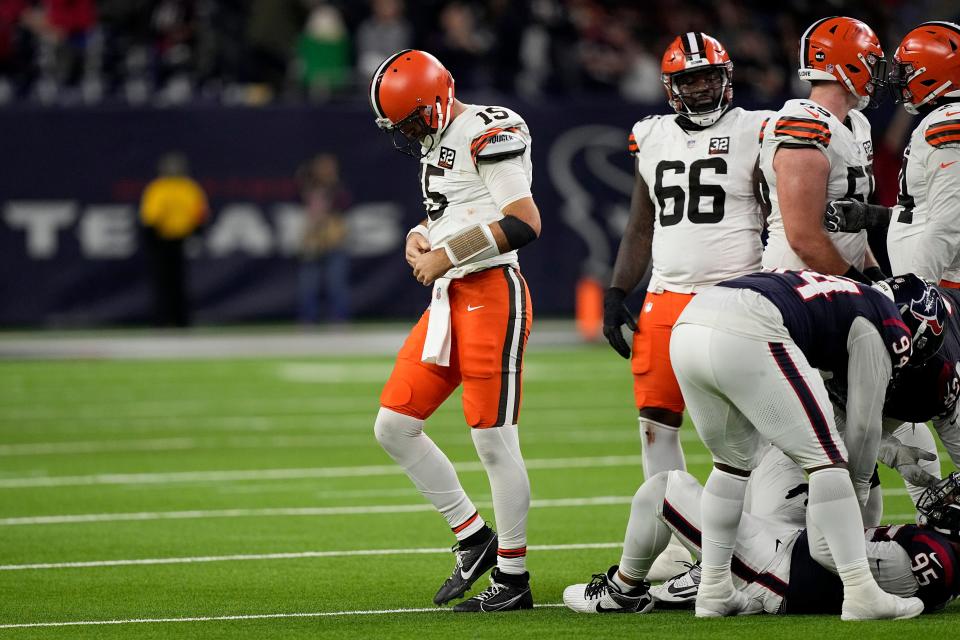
{"points": [[475, 174], [746, 354], [924, 231], [818, 149], [695, 219], [773, 561]]}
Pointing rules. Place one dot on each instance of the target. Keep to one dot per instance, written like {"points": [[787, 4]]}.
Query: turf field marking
{"points": [[83, 518], [309, 472], [605, 433], [350, 553], [251, 616]]}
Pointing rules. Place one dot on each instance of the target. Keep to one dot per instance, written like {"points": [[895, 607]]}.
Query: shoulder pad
{"points": [[805, 130], [945, 130], [497, 144], [641, 129]]}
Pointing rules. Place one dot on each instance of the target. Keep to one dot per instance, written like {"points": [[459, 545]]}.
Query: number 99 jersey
{"points": [[802, 123], [460, 183], [707, 221]]}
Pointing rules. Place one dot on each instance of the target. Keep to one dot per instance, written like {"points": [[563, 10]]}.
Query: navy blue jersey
{"points": [[818, 310], [929, 391], [933, 563]]}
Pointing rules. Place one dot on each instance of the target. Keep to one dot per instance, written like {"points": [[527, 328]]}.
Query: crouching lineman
{"points": [[475, 176], [746, 354], [773, 562], [694, 215]]}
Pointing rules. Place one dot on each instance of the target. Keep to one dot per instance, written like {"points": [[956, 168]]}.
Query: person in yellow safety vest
{"points": [[172, 208]]}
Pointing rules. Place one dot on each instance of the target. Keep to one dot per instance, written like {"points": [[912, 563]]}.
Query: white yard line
{"points": [[251, 616], [309, 472], [82, 518], [285, 556]]}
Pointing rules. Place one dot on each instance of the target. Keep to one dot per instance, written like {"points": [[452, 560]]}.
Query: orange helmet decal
{"points": [[691, 52], [926, 65], [844, 50], [411, 91]]}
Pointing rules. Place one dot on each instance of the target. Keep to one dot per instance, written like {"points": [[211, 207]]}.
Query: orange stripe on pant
{"points": [[491, 315]]}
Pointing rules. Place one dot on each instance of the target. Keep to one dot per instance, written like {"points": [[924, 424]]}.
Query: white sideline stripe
{"points": [[309, 472], [290, 511], [251, 616], [287, 556]]}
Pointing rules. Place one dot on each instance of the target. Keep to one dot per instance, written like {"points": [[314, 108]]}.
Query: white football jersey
{"points": [[924, 234], [850, 152], [454, 194], [708, 221]]}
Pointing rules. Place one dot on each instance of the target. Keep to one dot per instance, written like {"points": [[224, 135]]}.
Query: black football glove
{"points": [[616, 314], [845, 216]]}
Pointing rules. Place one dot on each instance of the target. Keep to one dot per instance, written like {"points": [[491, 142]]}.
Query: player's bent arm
{"points": [[948, 430], [520, 225], [940, 242], [633, 255], [802, 175], [868, 373]]}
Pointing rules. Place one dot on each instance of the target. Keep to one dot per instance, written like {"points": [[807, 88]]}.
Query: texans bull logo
{"points": [[926, 310]]}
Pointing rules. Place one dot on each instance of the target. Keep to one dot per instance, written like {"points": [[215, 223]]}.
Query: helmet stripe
{"points": [[701, 45], [805, 41], [377, 78], [942, 23], [690, 45]]}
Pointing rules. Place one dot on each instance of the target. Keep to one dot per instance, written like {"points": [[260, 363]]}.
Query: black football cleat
{"points": [[505, 593], [472, 562]]}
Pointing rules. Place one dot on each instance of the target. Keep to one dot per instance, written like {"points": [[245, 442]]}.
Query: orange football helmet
{"points": [[926, 66], [411, 92], [691, 58], [844, 50]]}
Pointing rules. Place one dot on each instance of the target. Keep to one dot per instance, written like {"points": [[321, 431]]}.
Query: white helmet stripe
{"points": [[375, 83], [695, 52]]}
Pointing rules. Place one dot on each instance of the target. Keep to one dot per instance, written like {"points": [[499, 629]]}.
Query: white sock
{"points": [[402, 437], [647, 536], [661, 448], [499, 451], [833, 514], [721, 506]]}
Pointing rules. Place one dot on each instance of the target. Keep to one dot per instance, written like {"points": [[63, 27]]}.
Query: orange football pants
{"points": [[491, 315], [654, 384]]}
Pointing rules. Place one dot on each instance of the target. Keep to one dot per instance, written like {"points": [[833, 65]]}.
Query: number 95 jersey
{"points": [[802, 123], [707, 221], [462, 183]]}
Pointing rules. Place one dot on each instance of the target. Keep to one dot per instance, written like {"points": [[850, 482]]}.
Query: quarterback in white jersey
{"points": [[475, 174], [819, 149]]}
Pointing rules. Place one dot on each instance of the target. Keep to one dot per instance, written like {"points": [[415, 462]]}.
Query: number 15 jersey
{"points": [[707, 220]]}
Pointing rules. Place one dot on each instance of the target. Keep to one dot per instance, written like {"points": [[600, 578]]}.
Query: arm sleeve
{"points": [[940, 242], [868, 373], [890, 566], [506, 180], [949, 431]]}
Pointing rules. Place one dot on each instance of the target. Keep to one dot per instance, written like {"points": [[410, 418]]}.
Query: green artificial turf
{"points": [[193, 439]]}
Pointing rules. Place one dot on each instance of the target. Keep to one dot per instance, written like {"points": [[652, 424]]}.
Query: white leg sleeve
{"points": [[661, 448], [499, 451], [721, 505], [647, 535], [402, 437], [835, 527]]}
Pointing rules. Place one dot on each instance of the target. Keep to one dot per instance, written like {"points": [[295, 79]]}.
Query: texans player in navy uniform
{"points": [[746, 354]]}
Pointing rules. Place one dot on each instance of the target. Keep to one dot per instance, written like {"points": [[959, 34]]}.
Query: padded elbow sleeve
{"points": [[518, 232]]}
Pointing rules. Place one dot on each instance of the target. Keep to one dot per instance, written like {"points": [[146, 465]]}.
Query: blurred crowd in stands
{"points": [[169, 52]]}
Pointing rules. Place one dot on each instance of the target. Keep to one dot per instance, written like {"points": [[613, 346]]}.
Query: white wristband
{"points": [[422, 230]]}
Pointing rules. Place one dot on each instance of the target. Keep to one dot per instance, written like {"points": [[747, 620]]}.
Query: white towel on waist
{"points": [[436, 346]]}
